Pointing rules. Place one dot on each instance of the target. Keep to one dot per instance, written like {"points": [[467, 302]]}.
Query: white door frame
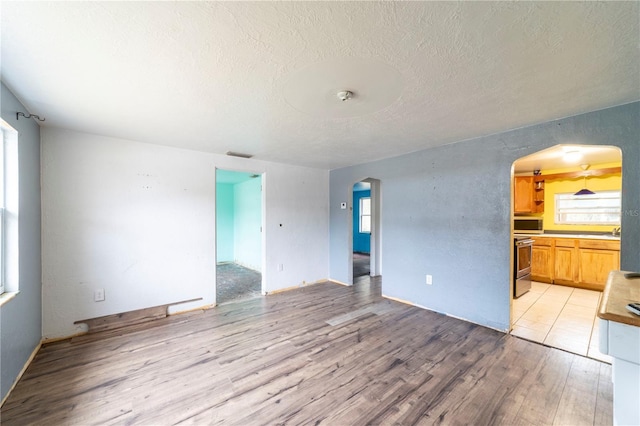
{"points": [[375, 255], [263, 244]]}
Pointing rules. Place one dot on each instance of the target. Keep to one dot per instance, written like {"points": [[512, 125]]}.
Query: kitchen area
{"points": [[567, 207]]}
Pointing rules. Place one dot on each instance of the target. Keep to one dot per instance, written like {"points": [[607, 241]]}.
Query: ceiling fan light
{"points": [[585, 191]]}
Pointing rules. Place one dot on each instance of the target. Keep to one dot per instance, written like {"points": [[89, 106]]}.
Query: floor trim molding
{"points": [[406, 302], [294, 287], [21, 373]]}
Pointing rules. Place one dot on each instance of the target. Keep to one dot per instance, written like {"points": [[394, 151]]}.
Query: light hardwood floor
{"points": [[324, 354]]}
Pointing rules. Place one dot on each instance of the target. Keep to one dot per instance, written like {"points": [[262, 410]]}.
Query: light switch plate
{"points": [[98, 295]]}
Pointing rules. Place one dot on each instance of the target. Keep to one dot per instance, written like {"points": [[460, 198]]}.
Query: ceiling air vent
{"points": [[238, 154]]}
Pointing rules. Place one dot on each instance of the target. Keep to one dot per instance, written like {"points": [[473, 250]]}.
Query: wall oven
{"points": [[523, 248]]}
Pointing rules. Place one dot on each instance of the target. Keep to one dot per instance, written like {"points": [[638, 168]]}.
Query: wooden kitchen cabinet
{"points": [[565, 258], [542, 260], [596, 260], [528, 195], [580, 263], [523, 194]]}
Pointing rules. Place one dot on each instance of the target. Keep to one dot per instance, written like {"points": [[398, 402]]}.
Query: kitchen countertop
{"points": [[581, 236], [618, 292]]}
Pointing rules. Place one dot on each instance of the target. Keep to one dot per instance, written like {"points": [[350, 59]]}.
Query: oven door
{"points": [[523, 257], [522, 266]]}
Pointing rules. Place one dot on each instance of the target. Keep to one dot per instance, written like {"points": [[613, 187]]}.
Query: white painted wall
{"points": [[138, 220]]}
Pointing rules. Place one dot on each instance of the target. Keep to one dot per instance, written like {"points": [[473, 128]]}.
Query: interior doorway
{"points": [[239, 242], [567, 203], [361, 229], [365, 241]]}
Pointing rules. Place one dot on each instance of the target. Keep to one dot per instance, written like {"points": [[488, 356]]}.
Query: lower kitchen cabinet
{"points": [[542, 260], [566, 262], [596, 261], [575, 262]]}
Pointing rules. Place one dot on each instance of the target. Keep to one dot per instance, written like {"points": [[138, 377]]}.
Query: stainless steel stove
{"points": [[522, 253]]}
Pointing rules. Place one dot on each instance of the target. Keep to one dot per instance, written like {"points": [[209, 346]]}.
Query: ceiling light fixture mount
{"points": [[345, 95]]}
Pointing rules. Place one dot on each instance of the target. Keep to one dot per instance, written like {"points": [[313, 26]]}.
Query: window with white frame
{"points": [[602, 208], [9, 206], [2, 213], [365, 215]]}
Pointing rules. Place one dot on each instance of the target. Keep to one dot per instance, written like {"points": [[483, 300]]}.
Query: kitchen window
{"points": [[365, 215], [602, 208]]}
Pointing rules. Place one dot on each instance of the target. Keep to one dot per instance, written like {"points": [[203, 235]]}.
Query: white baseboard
{"points": [[26, 365]]}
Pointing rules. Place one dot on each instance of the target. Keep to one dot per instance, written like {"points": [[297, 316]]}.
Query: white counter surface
{"points": [[577, 236]]}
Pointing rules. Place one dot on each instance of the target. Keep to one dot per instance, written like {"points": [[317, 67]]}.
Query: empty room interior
{"points": [[335, 213]]}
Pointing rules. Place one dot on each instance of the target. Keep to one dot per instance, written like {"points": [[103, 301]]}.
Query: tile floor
{"points": [[560, 317]]}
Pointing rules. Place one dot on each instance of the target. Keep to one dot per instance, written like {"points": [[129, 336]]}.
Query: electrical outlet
{"points": [[98, 295], [429, 279]]}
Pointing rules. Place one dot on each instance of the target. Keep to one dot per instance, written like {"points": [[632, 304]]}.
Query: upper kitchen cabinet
{"points": [[528, 195]]}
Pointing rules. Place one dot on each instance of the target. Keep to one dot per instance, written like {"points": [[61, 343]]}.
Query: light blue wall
{"points": [[361, 241], [21, 318], [446, 211], [248, 223], [224, 222]]}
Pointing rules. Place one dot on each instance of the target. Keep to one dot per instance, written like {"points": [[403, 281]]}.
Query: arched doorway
{"points": [[567, 204]]}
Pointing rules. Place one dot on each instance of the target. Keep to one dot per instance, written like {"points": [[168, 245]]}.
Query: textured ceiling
{"points": [[261, 77]]}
